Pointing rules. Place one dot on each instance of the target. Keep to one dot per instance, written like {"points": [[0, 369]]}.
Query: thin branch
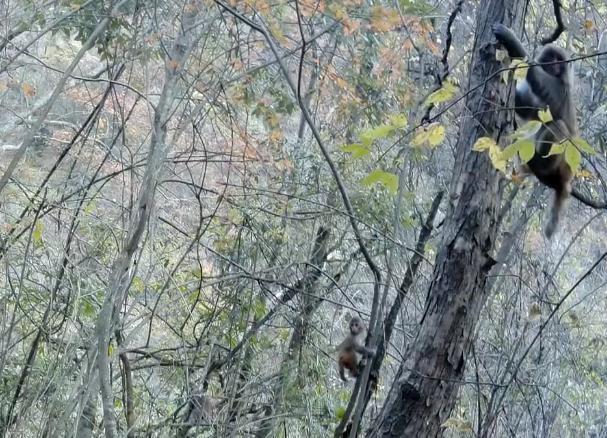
{"points": [[445, 58], [560, 27]]}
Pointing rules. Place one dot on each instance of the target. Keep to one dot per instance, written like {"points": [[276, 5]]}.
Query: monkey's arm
{"points": [[509, 40], [550, 89], [361, 349]]}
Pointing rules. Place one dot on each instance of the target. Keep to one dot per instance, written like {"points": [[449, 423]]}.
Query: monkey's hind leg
{"points": [[560, 198], [342, 373]]}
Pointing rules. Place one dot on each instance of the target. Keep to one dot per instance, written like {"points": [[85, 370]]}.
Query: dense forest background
{"points": [[196, 196]]}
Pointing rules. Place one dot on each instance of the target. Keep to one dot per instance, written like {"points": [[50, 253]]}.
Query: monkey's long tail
{"points": [[560, 197]]}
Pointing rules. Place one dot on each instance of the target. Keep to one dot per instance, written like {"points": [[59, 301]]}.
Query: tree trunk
{"points": [[426, 387]]}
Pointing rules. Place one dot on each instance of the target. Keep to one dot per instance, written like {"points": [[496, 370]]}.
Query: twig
{"points": [[560, 27]]}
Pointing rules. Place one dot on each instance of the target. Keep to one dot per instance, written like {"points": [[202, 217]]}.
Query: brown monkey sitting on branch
{"points": [[547, 84], [352, 349]]}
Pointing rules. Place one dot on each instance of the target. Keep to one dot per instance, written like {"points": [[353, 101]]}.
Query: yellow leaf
{"points": [[37, 233], [420, 137], [276, 135], [500, 55], [545, 116], [557, 149], [483, 143], [520, 69], [436, 135], [446, 92], [495, 155], [399, 120]]}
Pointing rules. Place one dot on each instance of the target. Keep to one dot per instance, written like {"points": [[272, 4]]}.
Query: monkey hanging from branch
{"points": [[548, 84], [351, 351]]}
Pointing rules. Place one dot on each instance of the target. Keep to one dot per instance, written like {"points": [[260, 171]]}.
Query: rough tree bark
{"points": [[426, 387]]}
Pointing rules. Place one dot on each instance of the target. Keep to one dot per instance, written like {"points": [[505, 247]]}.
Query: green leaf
{"points": [[340, 412], [529, 129], [436, 135], [37, 233], [526, 149], [583, 145], [259, 308], [443, 94], [386, 179], [545, 116], [557, 148], [88, 309], [573, 157], [357, 150], [510, 151], [399, 120], [370, 135]]}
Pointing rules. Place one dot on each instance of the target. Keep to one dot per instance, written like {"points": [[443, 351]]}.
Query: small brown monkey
{"points": [[548, 84], [352, 349]]}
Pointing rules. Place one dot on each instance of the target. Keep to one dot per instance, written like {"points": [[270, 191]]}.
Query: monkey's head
{"points": [[356, 326], [554, 59]]}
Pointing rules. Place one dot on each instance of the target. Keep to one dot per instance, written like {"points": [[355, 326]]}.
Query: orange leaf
{"points": [[28, 90]]}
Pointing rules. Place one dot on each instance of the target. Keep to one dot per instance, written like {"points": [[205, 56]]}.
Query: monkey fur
{"points": [[546, 85], [351, 351]]}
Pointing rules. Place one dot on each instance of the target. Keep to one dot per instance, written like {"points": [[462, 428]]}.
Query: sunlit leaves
{"points": [[583, 145], [573, 157], [37, 233], [370, 135], [386, 179], [339, 413], [374, 133], [520, 69], [399, 120], [443, 94], [430, 136], [545, 116], [494, 151], [525, 148], [356, 150], [528, 130]]}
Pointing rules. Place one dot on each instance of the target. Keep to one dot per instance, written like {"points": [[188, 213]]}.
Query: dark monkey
{"points": [[546, 85], [352, 349]]}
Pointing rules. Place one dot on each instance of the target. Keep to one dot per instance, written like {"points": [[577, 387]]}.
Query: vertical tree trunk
{"points": [[426, 387], [121, 272]]}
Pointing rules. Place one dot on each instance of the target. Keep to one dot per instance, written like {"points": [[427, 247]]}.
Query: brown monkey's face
{"points": [[356, 326], [554, 59]]}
